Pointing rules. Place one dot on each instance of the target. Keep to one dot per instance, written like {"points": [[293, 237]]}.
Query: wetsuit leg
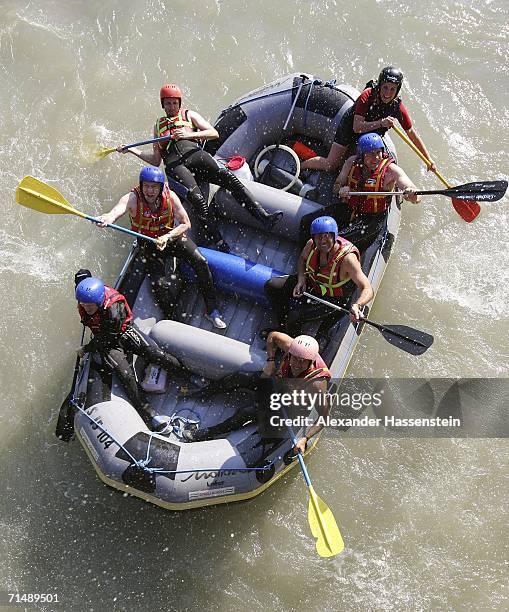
{"points": [[137, 342], [186, 176], [205, 168], [279, 290], [364, 229], [187, 250], [116, 359], [156, 266]]}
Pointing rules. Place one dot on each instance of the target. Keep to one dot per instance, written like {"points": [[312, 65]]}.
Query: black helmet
{"points": [[390, 74]]}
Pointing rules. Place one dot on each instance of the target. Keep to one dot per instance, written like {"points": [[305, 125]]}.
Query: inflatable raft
{"points": [[165, 469]]}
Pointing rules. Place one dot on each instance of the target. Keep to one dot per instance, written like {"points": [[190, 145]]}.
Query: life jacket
{"points": [[326, 280], [377, 110], [111, 297], [374, 182], [167, 125], [153, 224], [317, 369]]}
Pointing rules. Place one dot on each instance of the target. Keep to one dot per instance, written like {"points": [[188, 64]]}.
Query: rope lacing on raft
{"points": [[143, 464]]}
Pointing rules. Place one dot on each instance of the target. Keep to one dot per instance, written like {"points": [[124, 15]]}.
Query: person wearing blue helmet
{"points": [[187, 162], [107, 314], [328, 267], [377, 109], [157, 212], [372, 169]]}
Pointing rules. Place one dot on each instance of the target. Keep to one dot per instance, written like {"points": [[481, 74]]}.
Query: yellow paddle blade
{"points": [[104, 152], [35, 194], [324, 527]]}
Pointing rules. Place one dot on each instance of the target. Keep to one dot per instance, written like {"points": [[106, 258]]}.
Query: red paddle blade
{"points": [[466, 209]]}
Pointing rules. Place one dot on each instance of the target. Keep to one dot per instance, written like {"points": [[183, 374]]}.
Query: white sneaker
{"points": [[215, 317]]}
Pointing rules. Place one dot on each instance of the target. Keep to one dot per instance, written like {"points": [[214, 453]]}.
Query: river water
{"points": [[424, 521]]}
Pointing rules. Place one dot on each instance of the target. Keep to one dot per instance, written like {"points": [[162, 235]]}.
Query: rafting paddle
{"points": [[468, 210], [405, 338], [488, 191], [324, 528], [104, 152], [37, 195], [65, 422]]}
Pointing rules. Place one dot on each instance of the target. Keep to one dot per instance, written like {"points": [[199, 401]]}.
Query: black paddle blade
{"points": [[484, 191], [65, 422], [407, 339]]}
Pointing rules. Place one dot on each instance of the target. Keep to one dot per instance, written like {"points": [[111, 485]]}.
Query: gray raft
{"points": [[164, 469]]}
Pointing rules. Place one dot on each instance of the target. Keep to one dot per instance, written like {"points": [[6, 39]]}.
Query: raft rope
{"points": [[143, 464]]}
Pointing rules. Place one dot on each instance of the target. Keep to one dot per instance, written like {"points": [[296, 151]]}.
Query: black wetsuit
{"points": [[113, 344], [160, 268], [187, 163]]}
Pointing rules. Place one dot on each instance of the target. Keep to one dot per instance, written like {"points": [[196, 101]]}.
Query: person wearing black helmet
{"points": [[186, 162], [376, 110]]}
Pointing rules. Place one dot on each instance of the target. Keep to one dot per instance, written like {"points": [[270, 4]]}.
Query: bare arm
{"points": [[417, 140], [342, 179], [329, 163], [126, 203], [301, 269], [205, 131], [154, 158], [361, 126], [397, 177], [184, 223], [275, 340], [319, 387], [351, 267]]}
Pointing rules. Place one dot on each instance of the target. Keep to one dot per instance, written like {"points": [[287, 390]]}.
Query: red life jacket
{"points": [[368, 204], [317, 369], [111, 297], [153, 224], [167, 125], [326, 280]]}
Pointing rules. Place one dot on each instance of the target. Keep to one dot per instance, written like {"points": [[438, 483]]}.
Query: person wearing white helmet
{"points": [[300, 360]]}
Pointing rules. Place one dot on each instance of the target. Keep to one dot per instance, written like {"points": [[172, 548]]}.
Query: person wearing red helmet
{"points": [[360, 218], [156, 211], [376, 110], [186, 162], [301, 360]]}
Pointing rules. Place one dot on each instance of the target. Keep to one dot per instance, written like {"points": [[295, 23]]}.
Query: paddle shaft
{"points": [[144, 142], [378, 326], [379, 194], [404, 137], [120, 229]]}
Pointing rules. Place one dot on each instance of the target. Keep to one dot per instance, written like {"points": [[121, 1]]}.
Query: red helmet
{"points": [[170, 90], [304, 347]]}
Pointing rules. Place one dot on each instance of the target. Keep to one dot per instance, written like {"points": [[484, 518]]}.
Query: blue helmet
{"points": [[369, 142], [152, 174], [324, 225], [91, 291]]}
